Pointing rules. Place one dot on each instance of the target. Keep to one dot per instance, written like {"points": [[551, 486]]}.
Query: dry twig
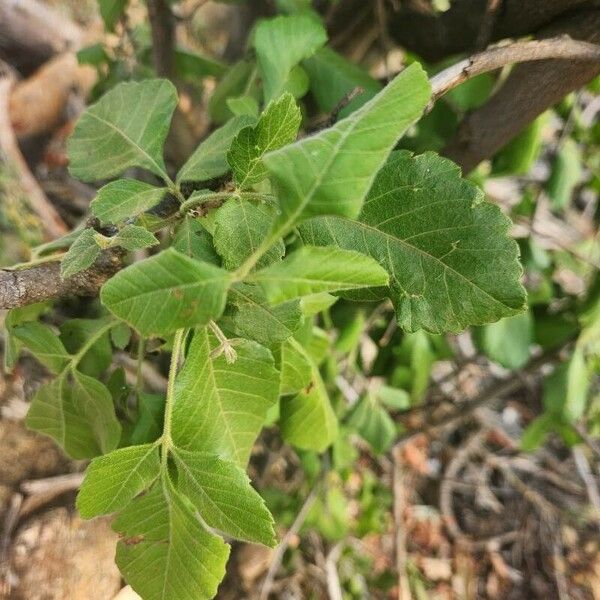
{"points": [[285, 542]]}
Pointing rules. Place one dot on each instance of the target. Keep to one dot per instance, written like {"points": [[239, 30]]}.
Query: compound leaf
{"points": [[126, 128], [220, 407], [447, 250], [222, 493], [332, 171], [311, 270], [113, 480], [166, 292]]}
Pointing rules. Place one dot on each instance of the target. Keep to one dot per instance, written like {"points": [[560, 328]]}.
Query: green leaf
{"points": [[566, 389], [111, 11], [277, 127], [81, 255], [123, 199], [126, 128], [394, 398], [331, 172], [281, 43], [518, 156], [150, 418], [239, 228], [133, 237], [120, 336], [166, 553], [566, 174], [236, 81], [74, 333], [311, 270], [166, 292], [448, 253], [252, 317], [78, 413], [507, 341], [113, 480], [243, 105], [192, 239], [220, 407], [316, 303], [307, 420], [192, 66], [222, 493], [295, 367], [15, 317], [209, 160], [535, 433], [332, 77], [43, 343], [373, 424]]}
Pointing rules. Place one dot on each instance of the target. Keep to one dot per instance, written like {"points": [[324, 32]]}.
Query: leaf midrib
{"points": [[427, 255], [161, 171]]}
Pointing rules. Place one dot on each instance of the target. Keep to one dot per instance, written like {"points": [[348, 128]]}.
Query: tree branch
{"points": [[528, 91], [562, 47], [43, 282], [162, 27], [436, 36]]}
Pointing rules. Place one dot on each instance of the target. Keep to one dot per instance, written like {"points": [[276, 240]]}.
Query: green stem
{"points": [[199, 200], [176, 354]]}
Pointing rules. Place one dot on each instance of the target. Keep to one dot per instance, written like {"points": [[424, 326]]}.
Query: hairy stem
{"points": [[176, 355]]}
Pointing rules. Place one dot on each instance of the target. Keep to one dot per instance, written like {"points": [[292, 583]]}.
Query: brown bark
{"points": [[162, 28], [436, 36], [530, 89], [43, 282]]}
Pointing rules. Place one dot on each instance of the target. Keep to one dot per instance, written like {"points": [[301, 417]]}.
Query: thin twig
{"points": [[499, 389], [591, 485], [162, 29], [43, 491], [399, 510], [561, 47], [285, 542], [334, 588]]}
